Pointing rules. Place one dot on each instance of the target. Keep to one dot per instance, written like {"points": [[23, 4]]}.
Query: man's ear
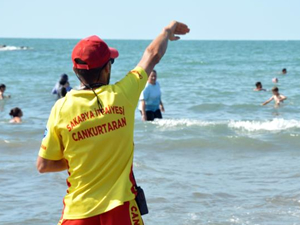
{"points": [[107, 67], [75, 70]]}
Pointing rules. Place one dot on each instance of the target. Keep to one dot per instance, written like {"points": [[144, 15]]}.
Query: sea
{"points": [[217, 157]]}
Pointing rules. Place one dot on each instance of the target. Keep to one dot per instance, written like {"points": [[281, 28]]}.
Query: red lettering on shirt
{"points": [[110, 127], [134, 216], [91, 114], [69, 128], [75, 122], [79, 119], [114, 123], [74, 137], [99, 130]]}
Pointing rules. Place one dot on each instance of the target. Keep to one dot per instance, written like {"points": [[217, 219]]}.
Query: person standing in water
{"points": [[62, 83], [90, 133], [2, 90], [277, 97], [151, 104]]}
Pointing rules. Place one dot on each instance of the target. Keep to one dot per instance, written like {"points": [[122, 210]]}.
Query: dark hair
{"points": [[15, 112], [87, 76], [65, 76], [258, 83], [2, 86], [275, 89], [284, 70], [63, 92], [63, 81]]}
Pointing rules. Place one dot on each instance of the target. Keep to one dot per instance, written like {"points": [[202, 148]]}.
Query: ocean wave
{"points": [[277, 124], [170, 123], [13, 48], [271, 125]]}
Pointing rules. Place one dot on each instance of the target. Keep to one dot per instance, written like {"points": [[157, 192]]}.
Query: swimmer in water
{"points": [[275, 80], [2, 90], [16, 113], [259, 87], [277, 97], [284, 71]]}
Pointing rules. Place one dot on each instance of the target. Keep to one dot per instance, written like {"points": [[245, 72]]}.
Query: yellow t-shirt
{"points": [[97, 144]]}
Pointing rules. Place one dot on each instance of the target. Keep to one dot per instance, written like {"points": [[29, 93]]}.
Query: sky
{"points": [[138, 19]]}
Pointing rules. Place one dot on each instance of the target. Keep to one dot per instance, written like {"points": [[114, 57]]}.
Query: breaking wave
{"points": [[13, 48], [252, 126]]}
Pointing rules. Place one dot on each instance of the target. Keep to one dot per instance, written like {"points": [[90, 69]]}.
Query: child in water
{"points": [[259, 87], [277, 97], [2, 90], [16, 113]]}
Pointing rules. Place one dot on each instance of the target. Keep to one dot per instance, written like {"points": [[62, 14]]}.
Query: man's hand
{"points": [[176, 28], [156, 50]]}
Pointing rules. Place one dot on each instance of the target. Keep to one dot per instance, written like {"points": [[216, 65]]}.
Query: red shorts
{"points": [[126, 214]]}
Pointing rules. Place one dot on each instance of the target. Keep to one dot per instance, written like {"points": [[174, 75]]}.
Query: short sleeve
{"points": [[145, 94], [51, 147], [159, 91], [133, 84]]}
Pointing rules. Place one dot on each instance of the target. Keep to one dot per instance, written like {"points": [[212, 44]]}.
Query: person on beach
{"points": [[277, 97], [63, 82], [16, 114], [90, 133], [284, 71], [259, 87], [151, 105], [2, 90]]}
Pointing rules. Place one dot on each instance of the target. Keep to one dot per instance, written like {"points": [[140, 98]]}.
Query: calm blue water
{"points": [[217, 157]]}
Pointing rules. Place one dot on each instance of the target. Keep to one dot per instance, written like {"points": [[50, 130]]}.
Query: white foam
{"points": [[182, 122], [271, 125], [277, 124], [12, 48]]}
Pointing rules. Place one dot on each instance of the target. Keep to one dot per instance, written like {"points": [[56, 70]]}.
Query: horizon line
{"points": [[144, 39]]}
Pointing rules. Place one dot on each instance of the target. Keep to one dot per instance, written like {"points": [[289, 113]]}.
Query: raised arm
{"points": [[266, 102], [156, 50]]}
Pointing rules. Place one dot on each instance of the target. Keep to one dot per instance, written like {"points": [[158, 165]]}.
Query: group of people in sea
{"points": [[150, 104], [16, 113], [60, 89], [277, 97]]}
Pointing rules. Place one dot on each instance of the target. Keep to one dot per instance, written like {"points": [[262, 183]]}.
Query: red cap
{"points": [[94, 52]]}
